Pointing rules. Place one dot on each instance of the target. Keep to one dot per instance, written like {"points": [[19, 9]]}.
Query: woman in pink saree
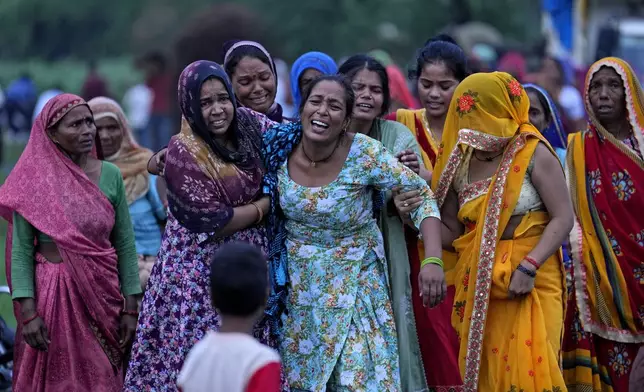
{"points": [[71, 260]]}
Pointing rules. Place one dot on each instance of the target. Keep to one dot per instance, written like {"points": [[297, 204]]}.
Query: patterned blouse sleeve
{"points": [[193, 198], [386, 172], [265, 122]]}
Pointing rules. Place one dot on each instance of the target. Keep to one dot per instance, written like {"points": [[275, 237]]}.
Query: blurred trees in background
{"points": [[59, 29], [54, 39]]}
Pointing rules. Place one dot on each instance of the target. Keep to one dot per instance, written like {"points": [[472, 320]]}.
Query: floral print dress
{"points": [[339, 331]]}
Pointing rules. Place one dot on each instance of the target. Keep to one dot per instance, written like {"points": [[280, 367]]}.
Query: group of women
{"points": [[412, 251]]}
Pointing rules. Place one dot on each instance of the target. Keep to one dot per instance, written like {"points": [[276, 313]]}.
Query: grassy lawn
{"points": [[11, 154]]}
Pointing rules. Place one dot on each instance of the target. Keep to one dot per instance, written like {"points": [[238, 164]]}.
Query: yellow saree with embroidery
{"points": [[505, 344], [605, 320]]}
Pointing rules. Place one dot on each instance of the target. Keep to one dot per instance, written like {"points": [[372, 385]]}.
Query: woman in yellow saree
{"points": [[605, 170], [508, 213]]}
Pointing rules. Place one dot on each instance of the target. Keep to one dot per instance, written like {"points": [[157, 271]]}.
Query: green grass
{"points": [[11, 154], [70, 74]]}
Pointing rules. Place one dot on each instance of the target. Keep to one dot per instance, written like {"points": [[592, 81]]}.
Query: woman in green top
{"points": [[72, 265], [371, 87]]}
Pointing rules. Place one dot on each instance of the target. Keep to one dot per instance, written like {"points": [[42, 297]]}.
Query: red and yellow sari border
{"points": [[487, 255], [580, 282]]}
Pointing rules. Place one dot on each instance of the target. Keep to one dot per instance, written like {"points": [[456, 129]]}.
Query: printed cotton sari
{"points": [[505, 344], [605, 320]]}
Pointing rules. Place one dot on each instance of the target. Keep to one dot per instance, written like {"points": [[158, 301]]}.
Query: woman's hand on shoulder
{"points": [[409, 159], [406, 202]]}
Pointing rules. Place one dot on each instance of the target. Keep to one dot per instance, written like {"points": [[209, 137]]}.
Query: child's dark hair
{"points": [[349, 97], [543, 101], [441, 49], [357, 63], [244, 51], [238, 279]]}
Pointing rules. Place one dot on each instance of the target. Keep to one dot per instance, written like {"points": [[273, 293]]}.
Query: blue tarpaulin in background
{"points": [[561, 13]]}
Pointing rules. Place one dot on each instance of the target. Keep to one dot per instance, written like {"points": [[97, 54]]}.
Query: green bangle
{"points": [[432, 260]]}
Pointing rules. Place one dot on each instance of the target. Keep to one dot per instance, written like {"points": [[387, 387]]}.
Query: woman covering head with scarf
{"points": [[307, 68], [71, 260], [145, 203], [506, 212], [253, 75], [214, 173], [605, 170], [544, 115]]}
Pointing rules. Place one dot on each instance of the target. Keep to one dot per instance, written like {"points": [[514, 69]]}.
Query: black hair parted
{"points": [[441, 49], [342, 80], [238, 279], [357, 63]]}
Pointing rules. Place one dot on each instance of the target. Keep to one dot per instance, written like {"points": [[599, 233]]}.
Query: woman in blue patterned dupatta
{"points": [[544, 115], [326, 250]]}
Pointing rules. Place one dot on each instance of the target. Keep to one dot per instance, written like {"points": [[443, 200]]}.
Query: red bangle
{"points": [[130, 312], [532, 261], [30, 319]]}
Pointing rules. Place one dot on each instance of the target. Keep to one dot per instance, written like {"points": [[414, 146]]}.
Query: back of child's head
{"points": [[238, 279]]}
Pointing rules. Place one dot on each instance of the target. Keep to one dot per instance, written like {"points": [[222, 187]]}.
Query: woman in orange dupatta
{"points": [[440, 66], [605, 320], [509, 214]]}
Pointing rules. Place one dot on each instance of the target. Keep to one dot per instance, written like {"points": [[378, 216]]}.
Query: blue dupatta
{"points": [[279, 142], [555, 133]]}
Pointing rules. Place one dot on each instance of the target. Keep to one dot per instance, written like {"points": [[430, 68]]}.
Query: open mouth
{"points": [[605, 108], [218, 123], [319, 125], [365, 106]]}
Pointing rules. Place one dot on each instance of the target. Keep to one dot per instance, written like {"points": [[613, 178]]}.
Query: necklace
{"points": [[423, 119], [315, 163], [487, 159]]}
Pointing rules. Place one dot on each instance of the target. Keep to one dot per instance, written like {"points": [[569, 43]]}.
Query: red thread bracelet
{"points": [[30, 319], [532, 261], [130, 312]]}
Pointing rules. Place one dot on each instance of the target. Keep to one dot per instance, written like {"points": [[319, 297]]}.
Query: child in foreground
{"points": [[231, 360]]}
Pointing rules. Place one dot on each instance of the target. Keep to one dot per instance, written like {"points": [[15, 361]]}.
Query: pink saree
{"points": [[78, 299]]}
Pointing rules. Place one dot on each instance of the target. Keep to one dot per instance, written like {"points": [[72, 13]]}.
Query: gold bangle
{"points": [[432, 260], [260, 214]]}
